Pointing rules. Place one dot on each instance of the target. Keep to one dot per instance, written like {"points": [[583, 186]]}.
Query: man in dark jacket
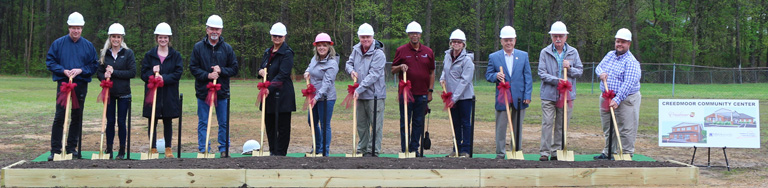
{"points": [[71, 57], [212, 59]]}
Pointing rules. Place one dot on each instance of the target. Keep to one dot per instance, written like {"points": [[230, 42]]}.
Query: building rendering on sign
{"points": [[686, 132], [728, 117]]}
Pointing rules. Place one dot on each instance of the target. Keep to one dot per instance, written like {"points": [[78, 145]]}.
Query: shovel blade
{"points": [[354, 155], [406, 155], [99, 156], [259, 154], [624, 157], [564, 155], [62, 157], [515, 155], [147, 156], [310, 154], [206, 155]]}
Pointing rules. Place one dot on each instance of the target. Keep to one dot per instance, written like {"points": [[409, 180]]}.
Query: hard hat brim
{"points": [[558, 32], [315, 43], [215, 26]]}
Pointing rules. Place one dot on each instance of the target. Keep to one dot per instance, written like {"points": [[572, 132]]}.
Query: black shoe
{"points": [[223, 155], [375, 155], [75, 155], [120, 156], [50, 157], [602, 156], [553, 158], [499, 156], [544, 158], [366, 154]]}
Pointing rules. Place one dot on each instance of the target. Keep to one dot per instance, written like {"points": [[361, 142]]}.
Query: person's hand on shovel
{"points": [[108, 72]]}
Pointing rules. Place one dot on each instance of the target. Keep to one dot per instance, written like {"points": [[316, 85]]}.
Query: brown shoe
{"points": [[544, 158], [168, 153], [153, 150], [553, 158]]}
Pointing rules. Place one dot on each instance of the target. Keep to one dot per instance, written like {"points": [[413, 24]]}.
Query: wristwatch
{"points": [[431, 90]]}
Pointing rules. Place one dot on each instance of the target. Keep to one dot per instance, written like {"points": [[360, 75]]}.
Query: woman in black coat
{"points": [[281, 101], [168, 63], [119, 65]]}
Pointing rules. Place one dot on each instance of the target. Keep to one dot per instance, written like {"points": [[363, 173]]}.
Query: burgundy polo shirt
{"points": [[419, 62]]}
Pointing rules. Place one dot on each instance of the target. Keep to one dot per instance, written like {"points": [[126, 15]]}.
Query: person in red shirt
{"points": [[419, 62]]}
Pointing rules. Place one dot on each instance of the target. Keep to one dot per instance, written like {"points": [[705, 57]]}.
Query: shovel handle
{"points": [[615, 125]]}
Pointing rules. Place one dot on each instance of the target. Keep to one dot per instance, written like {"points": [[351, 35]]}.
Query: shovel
{"points": [[453, 133], [64, 155], [149, 154], [312, 130], [621, 156], [101, 154], [261, 152], [207, 153], [564, 154], [514, 154], [406, 154], [354, 127]]}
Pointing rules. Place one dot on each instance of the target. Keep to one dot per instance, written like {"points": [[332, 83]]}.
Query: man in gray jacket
{"points": [[366, 64], [552, 60]]}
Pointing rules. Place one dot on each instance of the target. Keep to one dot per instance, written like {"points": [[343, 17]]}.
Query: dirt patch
{"points": [[335, 163]]}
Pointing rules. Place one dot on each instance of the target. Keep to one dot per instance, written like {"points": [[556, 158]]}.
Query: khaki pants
{"points": [[552, 137], [627, 120], [365, 121]]}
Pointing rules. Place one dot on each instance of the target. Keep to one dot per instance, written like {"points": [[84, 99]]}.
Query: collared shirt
{"points": [[509, 59], [559, 57], [623, 74], [420, 63], [114, 54]]}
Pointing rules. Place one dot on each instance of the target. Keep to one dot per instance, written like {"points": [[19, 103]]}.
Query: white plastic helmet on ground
{"points": [[163, 29], [365, 29], [250, 146], [458, 35], [117, 29], [413, 27], [278, 29], [624, 33], [75, 19], [215, 21], [507, 32], [558, 28]]}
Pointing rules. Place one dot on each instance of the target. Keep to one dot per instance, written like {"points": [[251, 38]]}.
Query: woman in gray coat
{"points": [[458, 71], [321, 73]]}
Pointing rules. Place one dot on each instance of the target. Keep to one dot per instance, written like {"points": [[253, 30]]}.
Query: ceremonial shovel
{"points": [[621, 156], [354, 126], [406, 154], [64, 155], [564, 154], [514, 154], [207, 153], [149, 154], [453, 133], [261, 152], [101, 154], [312, 130]]}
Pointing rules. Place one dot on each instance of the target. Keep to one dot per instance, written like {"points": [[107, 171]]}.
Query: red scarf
{"points": [[104, 95], [65, 89]]}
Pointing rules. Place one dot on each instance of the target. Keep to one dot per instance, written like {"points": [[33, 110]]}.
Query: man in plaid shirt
{"points": [[621, 71]]}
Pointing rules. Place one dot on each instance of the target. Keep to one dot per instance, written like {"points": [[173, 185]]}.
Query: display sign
{"points": [[709, 123]]}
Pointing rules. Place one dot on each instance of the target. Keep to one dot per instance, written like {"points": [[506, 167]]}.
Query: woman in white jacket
{"points": [[458, 71]]}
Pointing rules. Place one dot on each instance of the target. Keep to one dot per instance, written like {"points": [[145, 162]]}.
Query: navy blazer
{"points": [[520, 80]]}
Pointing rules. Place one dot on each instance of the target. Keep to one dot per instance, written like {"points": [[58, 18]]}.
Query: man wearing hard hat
{"points": [[517, 72], [71, 57], [621, 71], [419, 62], [212, 59], [552, 60], [366, 64]]}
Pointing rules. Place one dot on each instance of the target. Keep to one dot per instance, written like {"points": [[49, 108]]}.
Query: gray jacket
{"points": [[370, 70], [322, 74], [548, 71], [458, 75]]}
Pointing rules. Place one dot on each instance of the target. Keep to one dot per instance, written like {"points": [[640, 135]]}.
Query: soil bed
{"points": [[334, 163]]}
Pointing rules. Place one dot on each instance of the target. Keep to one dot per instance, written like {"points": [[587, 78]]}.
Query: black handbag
{"points": [[427, 143]]}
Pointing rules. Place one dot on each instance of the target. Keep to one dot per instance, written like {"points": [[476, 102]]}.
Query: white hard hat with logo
{"points": [[507, 32], [558, 28], [365, 29], [458, 35], [163, 29], [413, 27], [116, 29], [215, 21], [75, 19], [624, 33], [250, 146], [278, 29]]}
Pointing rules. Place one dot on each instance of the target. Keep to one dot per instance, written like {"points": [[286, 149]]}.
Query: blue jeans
{"points": [[323, 110], [461, 114], [416, 112], [122, 112], [202, 125]]}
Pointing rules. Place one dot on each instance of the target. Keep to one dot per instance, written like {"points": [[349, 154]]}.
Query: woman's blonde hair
{"points": [[108, 44], [331, 52]]}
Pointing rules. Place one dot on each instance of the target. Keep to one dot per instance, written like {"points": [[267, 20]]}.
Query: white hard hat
{"points": [[624, 33], [75, 19], [163, 29], [413, 27], [507, 32], [215, 21], [365, 29], [558, 28], [278, 29], [251, 145], [459, 35], [116, 28]]}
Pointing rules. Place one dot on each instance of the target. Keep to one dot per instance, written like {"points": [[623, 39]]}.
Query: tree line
{"points": [[695, 32]]}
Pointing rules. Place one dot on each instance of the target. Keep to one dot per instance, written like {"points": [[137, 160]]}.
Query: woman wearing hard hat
{"points": [[166, 61], [458, 71], [278, 60], [321, 73], [117, 63]]}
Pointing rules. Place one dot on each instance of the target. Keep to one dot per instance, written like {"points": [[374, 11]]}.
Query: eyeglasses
{"points": [[457, 41], [277, 36]]}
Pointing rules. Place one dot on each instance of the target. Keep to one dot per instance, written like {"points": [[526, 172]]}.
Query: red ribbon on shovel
{"points": [[564, 88], [212, 96], [61, 99], [504, 93], [263, 88], [350, 95], [446, 96], [607, 97], [154, 83], [405, 86], [105, 86], [309, 93]]}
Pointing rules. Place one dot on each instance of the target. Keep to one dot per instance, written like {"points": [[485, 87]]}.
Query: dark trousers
{"points": [[278, 146], [76, 121], [461, 114], [121, 104], [416, 112], [167, 131]]}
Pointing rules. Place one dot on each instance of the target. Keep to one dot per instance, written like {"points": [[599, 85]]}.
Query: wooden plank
{"points": [[125, 177], [589, 176], [363, 178], [2, 172]]}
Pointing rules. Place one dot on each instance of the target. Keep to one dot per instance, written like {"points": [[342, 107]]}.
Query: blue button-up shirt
{"points": [[623, 74]]}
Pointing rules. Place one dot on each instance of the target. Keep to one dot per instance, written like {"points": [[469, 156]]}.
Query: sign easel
{"points": [[709, 154]]}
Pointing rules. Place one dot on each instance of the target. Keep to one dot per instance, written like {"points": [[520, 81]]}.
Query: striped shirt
{"points": [[623, 74]]}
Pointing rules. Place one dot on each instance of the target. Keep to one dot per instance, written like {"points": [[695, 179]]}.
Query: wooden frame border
{"points": [[349, 177]]}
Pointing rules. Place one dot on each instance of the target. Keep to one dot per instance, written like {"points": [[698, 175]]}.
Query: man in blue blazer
{"points": [[517, 72]]}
